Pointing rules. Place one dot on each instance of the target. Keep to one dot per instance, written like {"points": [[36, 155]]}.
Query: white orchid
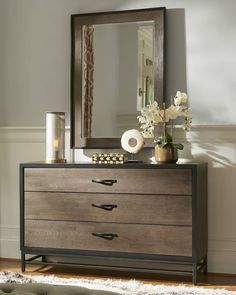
{"points": [[152, 114], [180, 98], [172, 113]]}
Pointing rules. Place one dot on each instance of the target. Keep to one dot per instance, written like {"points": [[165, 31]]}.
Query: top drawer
{"points": [[143, 181]]}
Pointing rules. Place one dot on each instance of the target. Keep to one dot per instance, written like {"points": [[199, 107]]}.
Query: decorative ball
{"points": [[132, 141]]}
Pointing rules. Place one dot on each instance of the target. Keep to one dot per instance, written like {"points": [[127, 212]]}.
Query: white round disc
{"points": [[132, 141]]}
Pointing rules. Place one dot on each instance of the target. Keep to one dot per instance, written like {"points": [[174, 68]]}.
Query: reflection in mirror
{"points": [[115, 71], [117, 76], [145, 66]]}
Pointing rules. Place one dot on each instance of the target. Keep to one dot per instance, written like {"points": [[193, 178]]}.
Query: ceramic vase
{"points": [[166, 155]]}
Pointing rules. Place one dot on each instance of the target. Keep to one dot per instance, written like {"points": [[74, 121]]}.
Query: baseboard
{"points": [[9, 241], [222, 254], [9, 248], [224, 263]]}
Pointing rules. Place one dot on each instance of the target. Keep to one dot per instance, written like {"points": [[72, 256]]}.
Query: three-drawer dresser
{"points": [[135, 217]]}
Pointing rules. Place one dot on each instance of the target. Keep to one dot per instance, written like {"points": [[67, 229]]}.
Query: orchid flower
{"points": [[152, 115]]}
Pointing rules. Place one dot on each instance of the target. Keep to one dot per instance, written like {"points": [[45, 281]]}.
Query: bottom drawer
{"points": [[115, 237]]}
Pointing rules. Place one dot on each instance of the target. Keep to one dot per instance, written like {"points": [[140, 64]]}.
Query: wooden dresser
{"points": [[136, 217]]}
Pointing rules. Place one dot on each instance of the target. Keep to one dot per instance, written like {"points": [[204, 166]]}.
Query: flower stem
{"points": [[164, 123], [164, 132], [172, 102]]}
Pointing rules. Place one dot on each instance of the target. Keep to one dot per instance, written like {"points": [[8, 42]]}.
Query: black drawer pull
{"points": [[107, 236], [108, 207], [105, 181]]}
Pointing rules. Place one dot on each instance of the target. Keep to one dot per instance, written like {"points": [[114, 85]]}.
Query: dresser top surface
{"points": [[119, 166]]}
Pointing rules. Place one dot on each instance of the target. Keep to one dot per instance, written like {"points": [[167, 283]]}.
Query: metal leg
{"points": [[43, 258], [205, 266], [22, 262], [194, 273]]}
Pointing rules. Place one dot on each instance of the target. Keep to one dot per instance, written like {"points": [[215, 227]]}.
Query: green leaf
{"points": [[178, 146], [169, 138]]}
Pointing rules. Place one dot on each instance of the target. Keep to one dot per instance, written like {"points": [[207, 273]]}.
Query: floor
{"points": [[209, 281]]}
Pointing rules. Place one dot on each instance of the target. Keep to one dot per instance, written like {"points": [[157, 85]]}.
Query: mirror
{"points": [[117, 60], [117, 68]]}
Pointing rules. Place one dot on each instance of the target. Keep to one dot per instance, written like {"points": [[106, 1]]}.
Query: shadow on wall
{"points": [[208, 152], [209, 144]]}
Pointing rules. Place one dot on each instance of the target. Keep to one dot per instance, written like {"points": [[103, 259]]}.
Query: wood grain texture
{"points": [[145, 209], [149, 239], [161, 210], [137, 181]]}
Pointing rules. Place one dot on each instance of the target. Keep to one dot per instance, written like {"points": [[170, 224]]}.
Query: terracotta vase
{"points": [[166, 155]]}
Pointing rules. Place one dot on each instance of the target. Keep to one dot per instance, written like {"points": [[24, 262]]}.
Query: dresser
{"points": [[134, 217]]}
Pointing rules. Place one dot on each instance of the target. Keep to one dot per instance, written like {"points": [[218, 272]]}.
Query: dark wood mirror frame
{"points": [[157, 15]]}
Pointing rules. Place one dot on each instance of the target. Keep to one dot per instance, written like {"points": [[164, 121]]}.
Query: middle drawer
{"points": [[125, 208]]}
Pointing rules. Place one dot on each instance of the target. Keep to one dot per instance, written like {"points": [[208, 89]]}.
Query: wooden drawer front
{"points": [[149, 239], [149, 209], [144, 181]]}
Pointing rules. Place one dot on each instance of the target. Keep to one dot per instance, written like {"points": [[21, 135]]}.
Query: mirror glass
{"points": [[117, 76], [117, 68]]}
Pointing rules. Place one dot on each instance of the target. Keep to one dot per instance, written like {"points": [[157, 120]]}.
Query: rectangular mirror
{"points": [[117, 68]]}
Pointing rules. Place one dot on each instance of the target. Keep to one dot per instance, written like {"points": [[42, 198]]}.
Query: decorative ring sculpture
{"points": [[132, 141]]}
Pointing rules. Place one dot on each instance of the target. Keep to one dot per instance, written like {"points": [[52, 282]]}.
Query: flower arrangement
{"points": [[152, 115]]}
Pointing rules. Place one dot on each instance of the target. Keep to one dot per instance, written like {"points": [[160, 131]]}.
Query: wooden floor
{"points": [[209, 281]]}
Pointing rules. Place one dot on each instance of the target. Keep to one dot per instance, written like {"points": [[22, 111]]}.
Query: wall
{"points": [[1, 53], [36, 42], [35, 71]]}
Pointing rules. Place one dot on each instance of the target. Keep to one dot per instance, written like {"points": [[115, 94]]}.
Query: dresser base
{"points": [[177, 268]]}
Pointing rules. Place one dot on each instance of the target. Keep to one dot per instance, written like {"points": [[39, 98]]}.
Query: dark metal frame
{"points": [[198, 260], [77, 22], [196, 268]]}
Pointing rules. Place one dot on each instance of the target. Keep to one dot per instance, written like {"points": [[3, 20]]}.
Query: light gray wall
{"points": [[36, 57], [35, 70], [1, 59]]}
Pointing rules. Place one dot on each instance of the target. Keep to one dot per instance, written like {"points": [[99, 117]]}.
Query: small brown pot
{"points": [[166, 155]]}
